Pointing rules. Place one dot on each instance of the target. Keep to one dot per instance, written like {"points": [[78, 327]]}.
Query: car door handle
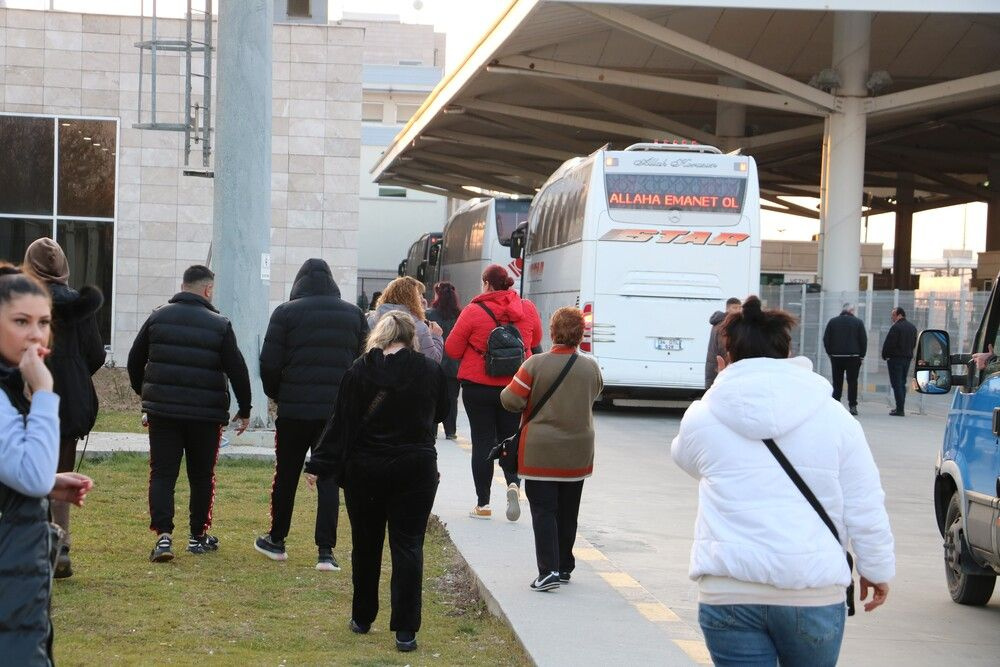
{"points": [[996, 421]]}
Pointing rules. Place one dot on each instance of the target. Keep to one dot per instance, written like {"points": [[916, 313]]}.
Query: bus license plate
{"points": [[669, 344]]}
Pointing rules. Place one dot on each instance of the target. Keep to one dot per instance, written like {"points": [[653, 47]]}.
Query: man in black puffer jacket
{"points": [[181, 363], [311, 341]]}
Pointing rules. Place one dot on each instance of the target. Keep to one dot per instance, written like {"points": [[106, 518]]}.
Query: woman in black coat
{"points": [[445, 311], [380, 444], [77, 353]]}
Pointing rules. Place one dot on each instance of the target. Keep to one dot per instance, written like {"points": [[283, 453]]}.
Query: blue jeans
{"points": [[755, 634]]}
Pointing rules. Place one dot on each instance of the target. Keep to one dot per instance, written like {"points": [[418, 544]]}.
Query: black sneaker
{"points": [[163, 552], [853, 410], [896, 413], [564, 577], [357, 628], [64, 567], [273, 550], [326, 562], [546, 582], [202, 544], [406, 641]]}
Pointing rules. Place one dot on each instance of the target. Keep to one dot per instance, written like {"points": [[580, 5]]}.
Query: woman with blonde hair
{"points": [[379, 445], [406, 294]]}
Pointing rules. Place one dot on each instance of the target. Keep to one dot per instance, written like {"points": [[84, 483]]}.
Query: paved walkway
{"points": [[604, 613]]}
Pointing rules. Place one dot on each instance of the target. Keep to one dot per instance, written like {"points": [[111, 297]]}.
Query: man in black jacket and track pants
{"points": [[311, 341], [846, 342], [181, 363], [897, 350]]}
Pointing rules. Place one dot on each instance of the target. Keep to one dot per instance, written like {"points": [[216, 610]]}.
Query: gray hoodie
{"points": [[430, 345]]}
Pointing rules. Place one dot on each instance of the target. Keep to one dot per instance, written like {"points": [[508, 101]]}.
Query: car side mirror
{"points": [[401, 271], [932, 370]]}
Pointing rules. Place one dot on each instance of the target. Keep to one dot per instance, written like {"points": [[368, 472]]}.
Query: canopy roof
{"points": [[553, 79]]}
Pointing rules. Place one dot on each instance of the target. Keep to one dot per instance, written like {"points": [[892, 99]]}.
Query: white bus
{"points": [[477, 235], [648, 241]]}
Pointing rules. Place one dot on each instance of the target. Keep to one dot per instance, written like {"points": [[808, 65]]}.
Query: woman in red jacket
{"points": [[488, 420]]}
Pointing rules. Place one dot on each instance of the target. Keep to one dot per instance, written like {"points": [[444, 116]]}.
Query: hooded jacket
{"points": [[430, 345], [311, 341], [467, 341], [77, 353], [29, 452], [715, 348], [404, 422], [753, 524]]}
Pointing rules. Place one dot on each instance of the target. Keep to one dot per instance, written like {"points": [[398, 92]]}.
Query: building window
{"points": [[404, 112], [371, 112], [387, 191], [299, 9], [59, 180]]}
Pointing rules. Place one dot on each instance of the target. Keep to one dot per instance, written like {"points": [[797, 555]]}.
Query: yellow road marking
{"points": [[588, 554], [657, 611], [620, 579], [696, 650]]}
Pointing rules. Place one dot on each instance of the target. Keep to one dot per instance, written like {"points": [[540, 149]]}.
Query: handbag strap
{"points": [[374, 406], [801, 485], [545, 397], [488, 312]]}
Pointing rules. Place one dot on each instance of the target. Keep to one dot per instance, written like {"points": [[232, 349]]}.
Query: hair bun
{"points": [[752, 310], [508, 282]]}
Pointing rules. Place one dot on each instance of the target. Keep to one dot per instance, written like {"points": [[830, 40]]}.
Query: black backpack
{"points": [[504, 348]]}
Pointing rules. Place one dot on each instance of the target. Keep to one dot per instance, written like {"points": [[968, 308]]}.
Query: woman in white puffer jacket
{"points": [[772, 577]]}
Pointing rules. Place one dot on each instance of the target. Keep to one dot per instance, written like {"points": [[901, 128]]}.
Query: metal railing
{"points": [[958, 313]]}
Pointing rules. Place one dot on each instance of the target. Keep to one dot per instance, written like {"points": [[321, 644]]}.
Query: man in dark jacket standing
{"points": [[846, 341], [716, 348], [77, 353], [897, 350], [311, 341], [181, 363]]}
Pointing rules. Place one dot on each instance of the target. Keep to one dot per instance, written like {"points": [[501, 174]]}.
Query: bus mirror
{"points": [[517, 244], [422, 271], [434, 255], [401, 271]]}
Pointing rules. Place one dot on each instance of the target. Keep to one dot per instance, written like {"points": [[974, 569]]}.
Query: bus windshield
{"points": [[510, 213], [675, 192]]}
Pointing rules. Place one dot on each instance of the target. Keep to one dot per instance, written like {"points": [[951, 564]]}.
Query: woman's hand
{"points": [[311, 481], [879, 594], [33, 369], [71, 487]]}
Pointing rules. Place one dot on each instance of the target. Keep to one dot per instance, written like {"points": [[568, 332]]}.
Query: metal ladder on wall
{"points": [[196, 123]]}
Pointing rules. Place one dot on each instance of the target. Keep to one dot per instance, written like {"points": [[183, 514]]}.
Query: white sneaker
{"points": [[513, 502]]}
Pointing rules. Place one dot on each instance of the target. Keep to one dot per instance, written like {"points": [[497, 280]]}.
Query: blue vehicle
{"points": [[967, 473]]}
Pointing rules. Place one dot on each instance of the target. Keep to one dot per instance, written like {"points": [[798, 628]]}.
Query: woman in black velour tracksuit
{"points": [[380, 443]]}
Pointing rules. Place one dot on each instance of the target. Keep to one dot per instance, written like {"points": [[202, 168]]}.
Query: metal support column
{"points": [[902, 246], [993, 208], [241, 239], [844, 155]]}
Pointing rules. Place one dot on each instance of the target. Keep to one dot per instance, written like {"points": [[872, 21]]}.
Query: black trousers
{"points": [[555, 507], [293, 438], [849, 366], [398, 492], [198, 443], [489, 423], [898, 370], [449, 421]]}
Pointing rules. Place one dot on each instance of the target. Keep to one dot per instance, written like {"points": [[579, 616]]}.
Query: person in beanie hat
{"points": [[77, 353]]}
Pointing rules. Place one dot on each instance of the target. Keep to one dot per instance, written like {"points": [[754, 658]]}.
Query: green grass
{"points": [[119, 421], [235, 606]]}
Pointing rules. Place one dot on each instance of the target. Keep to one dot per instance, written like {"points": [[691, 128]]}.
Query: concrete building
{"points": [[402, 64], [72, 166]]}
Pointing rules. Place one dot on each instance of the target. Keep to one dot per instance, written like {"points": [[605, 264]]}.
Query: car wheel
{"points": [[970, 589]]}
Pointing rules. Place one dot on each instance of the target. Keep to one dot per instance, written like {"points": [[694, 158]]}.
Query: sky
{"points": [[465, 21]]}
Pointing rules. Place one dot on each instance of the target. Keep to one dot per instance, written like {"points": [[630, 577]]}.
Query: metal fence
{"points": [[958, 313]]}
